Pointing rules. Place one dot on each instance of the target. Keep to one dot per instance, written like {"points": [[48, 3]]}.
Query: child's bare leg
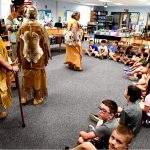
{"points": [[96, 54], [80, 140], [88, 52]]}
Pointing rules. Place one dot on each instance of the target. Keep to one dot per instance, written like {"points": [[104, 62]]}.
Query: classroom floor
{"points": [[72, 97]]}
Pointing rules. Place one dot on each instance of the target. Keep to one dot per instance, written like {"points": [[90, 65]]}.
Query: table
{"points": [[56, 33], [107, 37]]}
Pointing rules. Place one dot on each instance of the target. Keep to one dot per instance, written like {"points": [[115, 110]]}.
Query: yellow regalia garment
{"points": [[5, 93], [73, 53], [34, 51]]}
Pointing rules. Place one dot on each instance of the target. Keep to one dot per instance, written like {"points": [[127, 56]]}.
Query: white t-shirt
{"points": [[146, 103], [102, 49]]}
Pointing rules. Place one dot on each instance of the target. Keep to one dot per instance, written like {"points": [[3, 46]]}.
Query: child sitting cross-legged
{"points": [[131, 115], [120, 139], [113, 49], [117, 56], [92, 48], [99, 137], [102, 50]]}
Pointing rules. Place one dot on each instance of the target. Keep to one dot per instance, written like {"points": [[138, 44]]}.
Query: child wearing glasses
{"points": [[99, 137]]}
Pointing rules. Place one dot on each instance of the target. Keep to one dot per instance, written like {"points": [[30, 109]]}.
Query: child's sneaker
{"points": [[91, 128], [146, 123], [128, 73], [94, 118], [126, 68]]}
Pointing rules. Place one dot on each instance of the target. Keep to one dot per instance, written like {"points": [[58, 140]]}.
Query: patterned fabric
{"points": [[33, 45], [69, 35]]}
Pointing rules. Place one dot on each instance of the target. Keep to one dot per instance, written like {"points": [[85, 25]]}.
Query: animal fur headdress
{"points": [[32, 12]]}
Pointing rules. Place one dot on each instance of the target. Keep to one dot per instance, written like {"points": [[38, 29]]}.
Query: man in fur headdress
{"points": [[33, 47]]}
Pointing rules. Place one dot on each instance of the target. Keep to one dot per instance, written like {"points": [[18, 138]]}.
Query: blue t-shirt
{"points": [[113, 48], [94, 47]]}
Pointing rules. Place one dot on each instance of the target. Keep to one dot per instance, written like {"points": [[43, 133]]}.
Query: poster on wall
{"points": [[68, 14], [45, 16], [134, 18]]}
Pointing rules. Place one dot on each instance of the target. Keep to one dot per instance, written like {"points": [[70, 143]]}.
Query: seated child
{"points": [[120, 139], [131, 115], [92, 48], [101, 134], [126, 59], [102, 50], [117, 56], [142, 62], [145, 105], [139, 71], [113, 49], [139, 55]]}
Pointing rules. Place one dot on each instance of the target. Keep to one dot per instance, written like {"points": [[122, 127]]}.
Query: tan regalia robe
{"points": [[5, 93], [34, 51]]}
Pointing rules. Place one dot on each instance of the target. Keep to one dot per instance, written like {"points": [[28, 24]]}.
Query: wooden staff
{"points": [[18, 86]]}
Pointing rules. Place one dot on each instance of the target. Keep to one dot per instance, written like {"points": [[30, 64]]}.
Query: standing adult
{"points": [[74, 49], [33, 46], [13, 23], [5, 89]]}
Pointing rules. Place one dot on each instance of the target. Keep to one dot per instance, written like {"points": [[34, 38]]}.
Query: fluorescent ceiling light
{"points": [[91, 4], [105, 1], [142, 0], [118, 4]]}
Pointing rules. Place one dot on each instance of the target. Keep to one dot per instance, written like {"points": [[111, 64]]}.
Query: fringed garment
{"points": [[33, 47], [5, 89]]}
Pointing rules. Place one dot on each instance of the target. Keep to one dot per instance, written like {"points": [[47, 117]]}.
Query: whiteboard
{"points": [[69, 13]]}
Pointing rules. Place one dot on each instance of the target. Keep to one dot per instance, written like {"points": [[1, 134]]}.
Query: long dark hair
{"points": [[17, 3], [75, 14], [128, 50]]}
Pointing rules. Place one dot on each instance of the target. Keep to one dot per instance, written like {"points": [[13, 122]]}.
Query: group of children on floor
{"points": [[111, 117]]}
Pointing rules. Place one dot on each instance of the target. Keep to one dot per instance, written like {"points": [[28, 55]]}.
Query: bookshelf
{"points": [[99, 17], [125, 19]]}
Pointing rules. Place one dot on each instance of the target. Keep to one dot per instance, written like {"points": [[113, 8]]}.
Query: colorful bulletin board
{"points": [[134, 18], [45, 16]]}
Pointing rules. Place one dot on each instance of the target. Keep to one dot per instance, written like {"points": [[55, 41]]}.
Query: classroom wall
{"points": [[51, 5], [4, 8], [143, 11], [59, 10], [83, 9]]}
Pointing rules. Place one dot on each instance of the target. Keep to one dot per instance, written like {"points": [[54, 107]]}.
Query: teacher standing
{"points": [[74, 51]]}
